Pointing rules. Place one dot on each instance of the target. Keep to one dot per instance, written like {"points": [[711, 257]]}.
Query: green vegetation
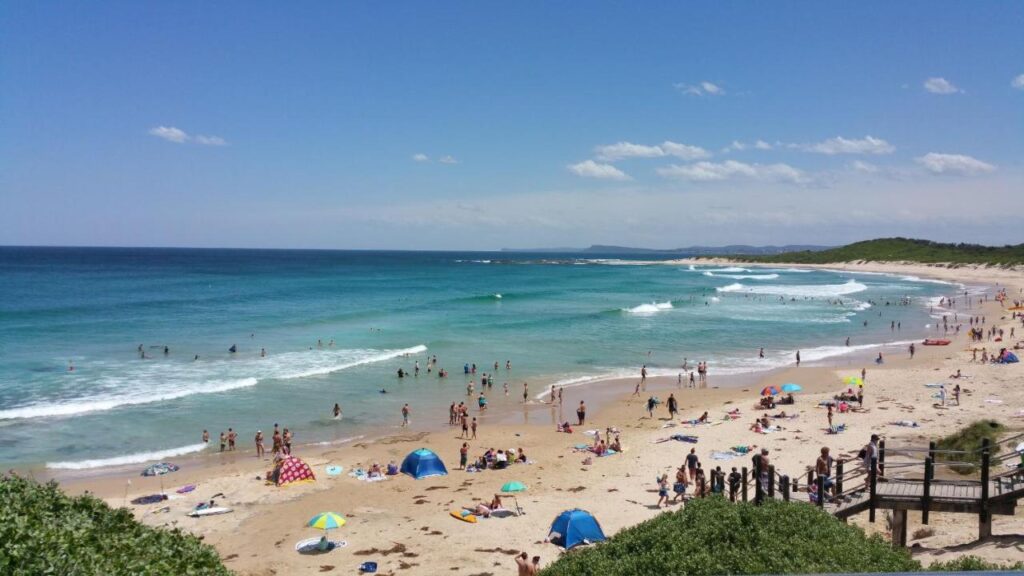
{"points": [[714, 536], [973, 564], [44, 531], [969, 439], [902, 249]]}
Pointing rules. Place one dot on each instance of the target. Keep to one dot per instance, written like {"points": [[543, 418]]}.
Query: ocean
{"points": [[337, 325]]}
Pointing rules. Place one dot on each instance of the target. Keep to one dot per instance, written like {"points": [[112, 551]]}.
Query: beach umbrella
{"points": [[791, 387], [770, 391], [853, 381], [513, 487], [326, 521]]}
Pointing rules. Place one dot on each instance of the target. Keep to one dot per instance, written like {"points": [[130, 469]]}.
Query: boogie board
{"points": [[209, 511], [464, 515]]}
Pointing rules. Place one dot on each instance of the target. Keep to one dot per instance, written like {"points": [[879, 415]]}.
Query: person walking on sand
{"points": [[662, 490], [465, 426], [463, 455], [912, 350], [473, 428], [260, 450], [829, 416], [286, 440], [643, 374], [276, 442], [405, 416], [581, 413], [673, 407], [956, 394], [942, 394]]}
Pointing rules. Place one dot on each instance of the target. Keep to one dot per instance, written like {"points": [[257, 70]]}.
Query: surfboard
{"points": [[463, 515], [209, 511]]}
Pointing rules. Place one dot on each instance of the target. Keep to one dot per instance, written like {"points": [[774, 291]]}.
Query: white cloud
{"points": [[620, 150], [1018, 82], [591, 169], [169, 133], [420, 157], [684, 151], [865, 167], [762, 145], [736, 145], [447, 160], [210, 140], [840, 145], [712, 171], [940, 86], [703, 88], [953, 164]]}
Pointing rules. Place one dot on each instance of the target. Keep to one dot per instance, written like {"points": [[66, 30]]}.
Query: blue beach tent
{"points": [[423, 463], [575, 527]]}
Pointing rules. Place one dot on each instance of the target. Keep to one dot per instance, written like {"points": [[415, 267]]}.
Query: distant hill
{"points": [[900, 249], [734, 249]]}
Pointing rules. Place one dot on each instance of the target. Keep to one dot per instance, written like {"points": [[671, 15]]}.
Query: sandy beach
{"points": [[404, 524]]}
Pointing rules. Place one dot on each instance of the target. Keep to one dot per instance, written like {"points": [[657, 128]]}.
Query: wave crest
{"points": [[138, 458], [647, 309]]}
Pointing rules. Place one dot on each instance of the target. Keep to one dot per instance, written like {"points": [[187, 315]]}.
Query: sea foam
{"points": [[799, 290], [139, 458], [647, 309]]}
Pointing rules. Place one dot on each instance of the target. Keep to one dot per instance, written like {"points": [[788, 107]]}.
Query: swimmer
{"points": [[337, 411]]}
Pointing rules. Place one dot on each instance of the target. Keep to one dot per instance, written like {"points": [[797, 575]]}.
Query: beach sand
{"points": [[404, 524]]}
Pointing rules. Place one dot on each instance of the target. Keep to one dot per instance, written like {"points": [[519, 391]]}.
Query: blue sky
{"points": [[480, 125]]}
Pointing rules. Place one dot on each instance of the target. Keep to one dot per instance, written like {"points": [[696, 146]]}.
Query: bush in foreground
{"points": [[968, 440], [44, 531], [714, 536]]}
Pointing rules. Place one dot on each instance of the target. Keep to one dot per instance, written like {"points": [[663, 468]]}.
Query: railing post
{"points": [[785, 487], [744, 483], [926, 498], [984, 517], [872, 486], [881, 457], [821, 491], [931, 450], [771, 481], [810, 477], [839, 477]]}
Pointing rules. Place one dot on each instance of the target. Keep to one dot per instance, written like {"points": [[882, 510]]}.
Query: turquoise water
{"points": [[558, 318]]}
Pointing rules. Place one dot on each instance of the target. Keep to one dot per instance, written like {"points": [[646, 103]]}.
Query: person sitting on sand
{"points": [[600, 449], [500, 460], [764, 421], [375, 471], [957, 375], [616, 444], [756, 427], [486, 508], [703, 418], [521, 456]]}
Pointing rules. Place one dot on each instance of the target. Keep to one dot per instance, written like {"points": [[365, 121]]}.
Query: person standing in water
{"points": [[337, 411], [797, 357], [405, 416], [260, 450], [526, 392]]}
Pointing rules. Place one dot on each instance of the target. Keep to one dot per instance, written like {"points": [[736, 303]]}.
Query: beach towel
{"points": [[150, 499], [719, 455], [334, 470], [934, 385], [905, 423], [837, 428], [362, 475], [993, 401], [312, 546], [186, 489], [741, 449]]}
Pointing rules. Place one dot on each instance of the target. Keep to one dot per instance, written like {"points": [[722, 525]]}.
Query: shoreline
{"points": [[618, 489]]}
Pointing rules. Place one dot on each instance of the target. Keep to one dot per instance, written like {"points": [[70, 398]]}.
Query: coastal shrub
{"points": [[973, 564], [44, 531], [899, 250], [968, 440], [714, 536]]}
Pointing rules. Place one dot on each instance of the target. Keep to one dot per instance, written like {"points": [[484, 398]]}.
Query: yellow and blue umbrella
{"points": [[326, 521]]}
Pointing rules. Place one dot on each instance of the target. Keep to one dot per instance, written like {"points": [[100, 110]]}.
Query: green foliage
{"points": [[44, 531], [714, 536], [973, 564], [968, 440], [903, 249]]}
